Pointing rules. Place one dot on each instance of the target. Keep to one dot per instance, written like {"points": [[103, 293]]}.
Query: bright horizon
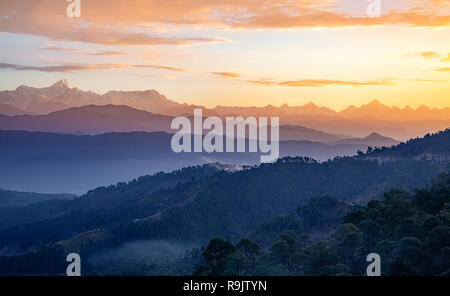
{"points": [[235, 53], [243, 105]]}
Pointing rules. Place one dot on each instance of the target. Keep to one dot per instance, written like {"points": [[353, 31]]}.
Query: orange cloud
{"points": [[263, 82], [226, 74], [323, 82], [429, 80], [336, 20], [161, 67], [443, 69], [48, 18], [430, 55], [447, 59], [95, 53], [116, 22]]}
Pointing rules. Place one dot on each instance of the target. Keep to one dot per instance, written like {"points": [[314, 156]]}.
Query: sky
{"points": [[333, 53]]}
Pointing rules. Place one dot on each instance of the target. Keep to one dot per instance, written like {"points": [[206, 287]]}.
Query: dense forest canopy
{"points": [[410, 232]]}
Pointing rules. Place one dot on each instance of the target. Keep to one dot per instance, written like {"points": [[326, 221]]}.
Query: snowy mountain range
{"points": [[354, 121], [62, 95]]}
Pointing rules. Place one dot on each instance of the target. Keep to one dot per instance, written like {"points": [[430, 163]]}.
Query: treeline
{"points": [[196, 207], [411, 233], [436, 143]]}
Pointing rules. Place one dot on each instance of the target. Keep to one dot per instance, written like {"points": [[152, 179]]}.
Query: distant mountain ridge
{"points": [[375, 109], [49, 162], [62, 95], [354, 121], [14, 198], [94, 119], [90, 119], [374, 139]]}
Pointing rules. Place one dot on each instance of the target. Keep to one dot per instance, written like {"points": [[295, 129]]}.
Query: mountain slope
{"points": [[13, 198], [374, 140], [111, 197], [62, 95], [48, 99], [431, 146], [227, 204], [90, 119], [97, 119], [292, 132], [48, 162], [8, 110], [328, 237]]}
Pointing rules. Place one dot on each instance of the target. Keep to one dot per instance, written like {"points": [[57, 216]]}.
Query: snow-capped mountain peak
{"points": [[62, 95]]}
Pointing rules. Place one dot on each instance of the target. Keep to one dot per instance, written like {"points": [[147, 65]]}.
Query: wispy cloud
{"points": [[323, 82], [160, 67], [107, 53], [337, 20], [92, 52], [68, 68], [226, 74], [430, 55], [308, 82], [428, 80], [263, 81], [447, 59], [447, 69], [7, 66], [53, 47]]}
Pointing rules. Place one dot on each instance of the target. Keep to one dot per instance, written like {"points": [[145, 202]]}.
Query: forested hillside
{"points": [[194, 205], [435, 145], [410, 232], [53, 163], [15, 198]]}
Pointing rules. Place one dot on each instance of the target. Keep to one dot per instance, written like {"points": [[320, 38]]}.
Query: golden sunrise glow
{"points": [[211, 52]]}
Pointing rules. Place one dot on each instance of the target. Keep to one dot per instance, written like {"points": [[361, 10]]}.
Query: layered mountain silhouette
{"points": [[196, 204], [53, 163], [374, 139], [14, 198], [90, 119], [377, 110], [354, 121], [93, 119], [62, 95]]}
